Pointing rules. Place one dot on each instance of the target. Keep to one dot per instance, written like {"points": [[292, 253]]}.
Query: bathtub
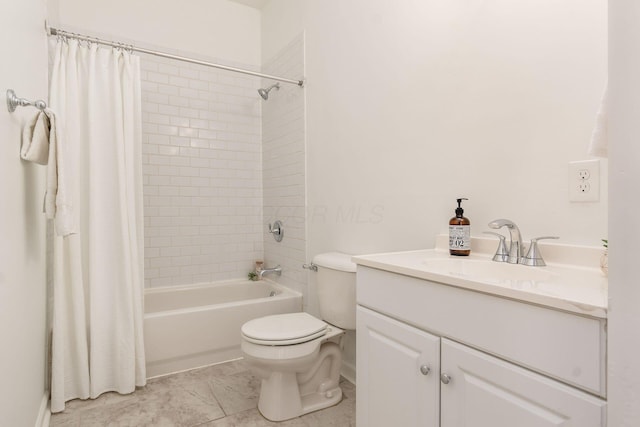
{"points": [[190, 326]]}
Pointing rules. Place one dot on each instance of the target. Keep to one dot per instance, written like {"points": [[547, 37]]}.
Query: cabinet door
{"points": [[484, 391], [397, 373]]}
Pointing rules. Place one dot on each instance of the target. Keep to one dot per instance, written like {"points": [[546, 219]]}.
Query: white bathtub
{"points": [[190, 326]]}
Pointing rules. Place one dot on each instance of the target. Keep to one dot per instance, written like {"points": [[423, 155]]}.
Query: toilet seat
{"points": [[284, 329]]}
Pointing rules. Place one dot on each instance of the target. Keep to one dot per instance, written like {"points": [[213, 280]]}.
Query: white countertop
{"points": [[573, 288]]}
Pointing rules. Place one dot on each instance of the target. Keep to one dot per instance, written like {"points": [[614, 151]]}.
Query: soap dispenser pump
{"points": [[460, 232]]}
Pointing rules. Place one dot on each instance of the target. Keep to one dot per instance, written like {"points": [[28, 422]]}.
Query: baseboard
{"points": [[348, 371], [44, 413]]}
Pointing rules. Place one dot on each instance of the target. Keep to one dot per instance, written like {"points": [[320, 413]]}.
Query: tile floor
{"points": [[223, 395]]}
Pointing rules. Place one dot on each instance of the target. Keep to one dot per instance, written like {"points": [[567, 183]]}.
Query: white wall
{"points": [[22, 245], [213, 28], [411, 104], [624, 269]]}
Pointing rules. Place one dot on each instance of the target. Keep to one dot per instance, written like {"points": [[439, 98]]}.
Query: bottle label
{"points": [[460, 237]]}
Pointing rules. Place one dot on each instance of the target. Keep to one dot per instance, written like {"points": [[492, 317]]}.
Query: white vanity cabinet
{"points": [[483, 390], [398, 373], [492, 361]]}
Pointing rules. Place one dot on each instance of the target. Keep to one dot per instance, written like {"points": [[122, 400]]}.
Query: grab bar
{"points": [[13, 102]]}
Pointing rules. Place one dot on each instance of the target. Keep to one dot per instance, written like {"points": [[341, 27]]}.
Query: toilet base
{"points": [[296, 406], [285, 394], [317, 401]]}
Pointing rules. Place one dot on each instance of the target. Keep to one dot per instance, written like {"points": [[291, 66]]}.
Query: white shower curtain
{"points": [[97, 341]]}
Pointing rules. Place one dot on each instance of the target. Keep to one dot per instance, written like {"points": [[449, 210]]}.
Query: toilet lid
{"points": [[284, 329]]}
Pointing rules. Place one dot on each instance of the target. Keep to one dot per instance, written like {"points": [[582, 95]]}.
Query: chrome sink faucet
{"points": [[516, 250], [275, 270]]}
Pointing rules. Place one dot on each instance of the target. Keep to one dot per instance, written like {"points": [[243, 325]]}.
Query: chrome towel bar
{"points": [[13, 102]]}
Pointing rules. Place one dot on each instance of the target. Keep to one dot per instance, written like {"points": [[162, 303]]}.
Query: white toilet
{"points": [[298, 356]]}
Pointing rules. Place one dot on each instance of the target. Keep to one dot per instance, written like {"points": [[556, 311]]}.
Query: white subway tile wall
{"points": [[283, 167], [202, 165]]}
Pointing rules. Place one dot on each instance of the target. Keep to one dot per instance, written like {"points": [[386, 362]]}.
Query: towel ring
{"points": [[13, 102]]}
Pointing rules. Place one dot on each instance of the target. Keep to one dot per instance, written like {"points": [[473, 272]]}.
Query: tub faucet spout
{"points": [[275, 270], [516, 251]]}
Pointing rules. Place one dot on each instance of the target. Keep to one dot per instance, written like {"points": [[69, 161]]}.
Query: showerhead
{"points": [[264, 93]]}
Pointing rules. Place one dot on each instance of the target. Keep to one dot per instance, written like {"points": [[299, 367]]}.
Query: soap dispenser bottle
{"points": [[460, 232]]}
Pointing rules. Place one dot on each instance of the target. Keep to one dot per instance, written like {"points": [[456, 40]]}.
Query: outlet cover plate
{"points": [[584, 181]]}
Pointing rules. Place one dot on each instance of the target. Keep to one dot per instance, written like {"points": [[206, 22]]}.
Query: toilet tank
{"points": [[336, 288]]}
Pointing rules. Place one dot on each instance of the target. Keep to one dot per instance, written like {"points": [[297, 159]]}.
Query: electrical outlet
{"points": [[584, 187], [584, 181], [584, 174]]}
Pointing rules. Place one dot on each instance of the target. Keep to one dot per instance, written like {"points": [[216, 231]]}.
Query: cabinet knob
{"points": [[446, 379], [424, 369]]}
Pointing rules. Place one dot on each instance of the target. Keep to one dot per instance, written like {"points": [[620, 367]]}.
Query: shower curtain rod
{"points": [[57, 32]]}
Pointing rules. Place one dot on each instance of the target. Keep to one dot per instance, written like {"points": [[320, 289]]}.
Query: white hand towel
{"points": [[58, 200], [35, 139], [600, 136]]}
